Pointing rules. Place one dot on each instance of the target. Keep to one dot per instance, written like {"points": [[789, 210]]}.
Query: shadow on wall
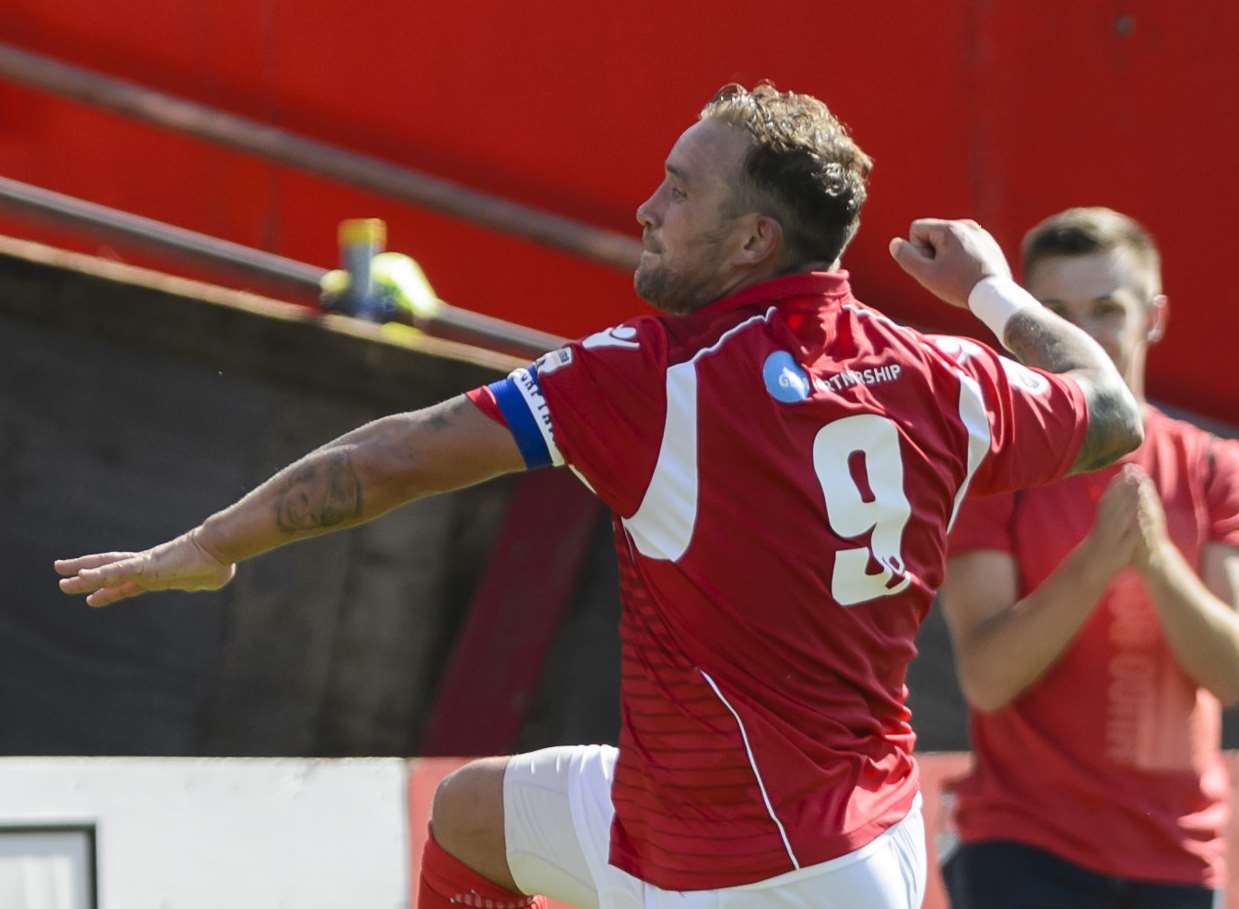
{"points": [[138, 406]]}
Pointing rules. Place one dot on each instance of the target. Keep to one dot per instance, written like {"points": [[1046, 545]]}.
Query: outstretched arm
{"points": [[959, 262], [349, 481]]}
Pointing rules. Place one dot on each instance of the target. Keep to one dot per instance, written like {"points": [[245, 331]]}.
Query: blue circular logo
{"points": [[785, 380]]}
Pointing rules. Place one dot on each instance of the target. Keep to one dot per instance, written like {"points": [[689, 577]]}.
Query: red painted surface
{"points": [[1002, 111], [425, 773], [514, 616]]}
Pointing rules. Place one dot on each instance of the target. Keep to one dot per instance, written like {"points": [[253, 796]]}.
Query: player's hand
{"points": [[1112, 541], [948, 258], [109, 577], [1152, 537]]}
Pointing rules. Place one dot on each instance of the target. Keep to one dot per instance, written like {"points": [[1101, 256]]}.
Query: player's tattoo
{"points": [[322, 493], [1112, 422], [1040, 338], [439, 418], [1037, 343]]}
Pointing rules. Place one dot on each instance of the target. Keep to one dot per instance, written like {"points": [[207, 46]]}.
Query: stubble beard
{"points": [[667, 290], [678, 292]]}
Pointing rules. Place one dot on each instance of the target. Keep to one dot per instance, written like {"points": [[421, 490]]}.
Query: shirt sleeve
{"points": [[984, 522], [597, 405], [1036, 420], [484, 399], [1222, 491]]}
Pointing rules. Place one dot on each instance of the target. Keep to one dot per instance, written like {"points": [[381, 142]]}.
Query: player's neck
{"points": [[1133, 375], [761, 276]]}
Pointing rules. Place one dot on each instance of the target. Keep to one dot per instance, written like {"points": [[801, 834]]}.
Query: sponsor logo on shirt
{"points": [[874, 375], [1024, 378], [785, 380], [960, 349], [556, 359], [1019, 375], [623, 336]]}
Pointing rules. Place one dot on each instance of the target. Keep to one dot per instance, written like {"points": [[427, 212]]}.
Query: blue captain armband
{"points": [[519, 397]]}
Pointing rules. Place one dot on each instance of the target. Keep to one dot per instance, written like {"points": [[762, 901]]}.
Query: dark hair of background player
{"points": [[1086, 231]]}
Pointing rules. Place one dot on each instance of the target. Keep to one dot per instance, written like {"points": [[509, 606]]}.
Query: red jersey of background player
{"points": [[783, 465], [1111, 760]]}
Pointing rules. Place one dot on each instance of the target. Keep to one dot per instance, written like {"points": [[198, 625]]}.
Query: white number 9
{"points": [[851, 513]]}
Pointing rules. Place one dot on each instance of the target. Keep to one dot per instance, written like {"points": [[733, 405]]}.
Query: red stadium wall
{"points": [[1005, 112]]}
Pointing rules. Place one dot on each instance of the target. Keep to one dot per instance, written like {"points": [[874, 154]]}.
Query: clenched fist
{"points": [[949, 258]]}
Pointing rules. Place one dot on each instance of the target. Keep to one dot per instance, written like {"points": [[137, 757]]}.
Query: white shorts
{"points": [[557, 825]]}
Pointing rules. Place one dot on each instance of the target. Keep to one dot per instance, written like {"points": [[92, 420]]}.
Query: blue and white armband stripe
{"points": [[519, 397]]}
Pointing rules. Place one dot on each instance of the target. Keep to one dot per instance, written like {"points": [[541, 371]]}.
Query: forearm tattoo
{"points": [[322, 493], [1113, 420], [1036, 343]]}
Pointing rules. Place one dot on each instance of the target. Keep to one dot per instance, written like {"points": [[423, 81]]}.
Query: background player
{"points": [[1095, 635], [783, 463]]}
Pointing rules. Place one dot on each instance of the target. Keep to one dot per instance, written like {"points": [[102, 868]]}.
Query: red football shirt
{"points": [[1112, 759], [783, 466]]}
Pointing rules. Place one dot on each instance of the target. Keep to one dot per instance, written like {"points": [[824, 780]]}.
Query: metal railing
{"points": [[597, 244], [58, 208], [450, 322]]}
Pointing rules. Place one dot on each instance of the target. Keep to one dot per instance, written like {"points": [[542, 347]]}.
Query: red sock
{"points": [[447, 883]]}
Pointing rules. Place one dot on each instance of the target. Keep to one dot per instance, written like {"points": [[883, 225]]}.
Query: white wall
{"points": [[190, 833]]}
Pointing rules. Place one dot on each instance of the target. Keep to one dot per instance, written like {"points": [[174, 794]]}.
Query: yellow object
{"points": [[398, 331], [334, 282], [363, 230], [397, 278]]}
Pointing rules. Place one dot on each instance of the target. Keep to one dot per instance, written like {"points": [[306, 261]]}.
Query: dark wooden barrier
{"points": [[132, 405]]}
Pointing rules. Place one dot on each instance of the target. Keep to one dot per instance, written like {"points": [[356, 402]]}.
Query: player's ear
{"points": [[764, 239], [1158, 315]]}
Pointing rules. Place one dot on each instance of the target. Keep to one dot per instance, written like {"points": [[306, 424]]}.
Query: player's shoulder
{"points": [[932, 349], [1160, 424], [956, 350], [1213, 453], [720, 335], [1163, 431], [639, 332], [634, 345], [882, 330]]}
